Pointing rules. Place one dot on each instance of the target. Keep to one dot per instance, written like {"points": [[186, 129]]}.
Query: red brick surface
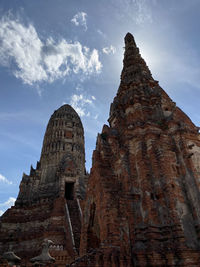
{"points": [[143, 204]]}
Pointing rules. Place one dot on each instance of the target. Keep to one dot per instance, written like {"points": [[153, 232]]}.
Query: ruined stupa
{"points": [[48, 204], [142, 204]]}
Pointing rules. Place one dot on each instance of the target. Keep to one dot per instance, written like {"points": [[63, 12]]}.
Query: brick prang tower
{"points": [[143, 198], [49, 201]]}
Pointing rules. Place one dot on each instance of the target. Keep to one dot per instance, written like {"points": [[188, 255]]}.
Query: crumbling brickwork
{"points": [[143, 204]]}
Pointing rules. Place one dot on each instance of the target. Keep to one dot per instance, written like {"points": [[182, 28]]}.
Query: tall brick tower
{"points": [[143, 197], [48, 204]]}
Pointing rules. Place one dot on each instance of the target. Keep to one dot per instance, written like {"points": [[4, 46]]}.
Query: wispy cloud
{"points": [[137, 11], [109, 50], [80, 19], [3, 179], [143, 12], [80, 104], [101, 33], [33, 60], [7, 204]]}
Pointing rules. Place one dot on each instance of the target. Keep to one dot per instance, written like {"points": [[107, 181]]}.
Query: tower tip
{"points": [[129, 39]]}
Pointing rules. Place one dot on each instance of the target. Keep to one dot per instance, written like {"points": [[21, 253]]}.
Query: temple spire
{"points": [[129, 39], [134, 66]]}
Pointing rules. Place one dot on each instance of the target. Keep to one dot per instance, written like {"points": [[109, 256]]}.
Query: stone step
{"points": [[75, 218]]}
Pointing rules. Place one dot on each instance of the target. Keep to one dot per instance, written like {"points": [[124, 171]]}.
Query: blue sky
{"points": [[66, 51]]}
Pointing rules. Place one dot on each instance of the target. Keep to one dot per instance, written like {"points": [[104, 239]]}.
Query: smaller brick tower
{"points": [[48, 204]]}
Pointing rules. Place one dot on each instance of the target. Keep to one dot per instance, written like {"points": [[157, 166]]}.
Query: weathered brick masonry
{"points": [[142, 202]]}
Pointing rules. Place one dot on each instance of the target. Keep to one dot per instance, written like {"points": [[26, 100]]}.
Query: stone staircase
{"points": [[75, 218]]}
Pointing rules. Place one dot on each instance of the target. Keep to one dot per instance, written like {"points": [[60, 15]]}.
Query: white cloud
{"points": [[80, 19], [80, 103], [4, 179], [108, 50], [21, 45], [33, 60], [67, 58], [94, 65], [7, 204]]}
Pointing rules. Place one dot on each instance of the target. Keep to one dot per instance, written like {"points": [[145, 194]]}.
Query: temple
{"points": [[140, 205]]}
